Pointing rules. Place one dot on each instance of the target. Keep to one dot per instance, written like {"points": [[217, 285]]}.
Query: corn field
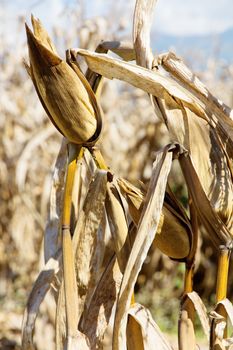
{"points": [[99, 216]]}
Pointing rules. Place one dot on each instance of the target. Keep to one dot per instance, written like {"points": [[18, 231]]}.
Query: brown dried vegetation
{"points": [[101, 228]]}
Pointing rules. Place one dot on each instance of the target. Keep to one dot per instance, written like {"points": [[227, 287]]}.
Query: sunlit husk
{"points": [[63, 95]]}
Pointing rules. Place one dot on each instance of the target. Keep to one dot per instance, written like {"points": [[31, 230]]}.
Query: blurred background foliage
{"points": [[132, 134]]}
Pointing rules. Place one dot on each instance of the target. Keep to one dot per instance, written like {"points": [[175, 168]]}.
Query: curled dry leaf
{"points": [[97, 318], [210, 145], [216, 141], [177, 68], [218, 324], [88, 248], [217, 230], [194, 299], [145, 235], [37, 295], [151, 82], [88, 240], [121, 48], [149, 335]]}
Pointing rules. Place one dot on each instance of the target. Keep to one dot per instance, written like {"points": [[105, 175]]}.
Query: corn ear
{"points": [[66, 99]]}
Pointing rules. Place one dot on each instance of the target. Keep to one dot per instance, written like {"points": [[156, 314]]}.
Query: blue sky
{"points": [[178, 17]]}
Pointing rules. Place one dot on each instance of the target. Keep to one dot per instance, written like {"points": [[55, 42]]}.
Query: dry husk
{"points": [[65, 96]]}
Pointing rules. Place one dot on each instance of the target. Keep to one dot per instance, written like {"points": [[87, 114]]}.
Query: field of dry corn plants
{"points": [[116, 191]]}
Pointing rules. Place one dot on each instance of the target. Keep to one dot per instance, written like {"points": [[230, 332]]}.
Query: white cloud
{"points": [[180, 17]]}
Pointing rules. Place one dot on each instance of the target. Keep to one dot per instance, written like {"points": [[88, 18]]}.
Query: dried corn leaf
{"points": [[88, 240], [210, 146], [215, 227], [176, 67], [37, 295], [52, 232], [219, 323], [227, 305], [194, 299], [134, 198], [79, 341], [181, 73], [121, 48], [96, 318], [149, 335], [145, 235], [209, 158], [153, 83]]}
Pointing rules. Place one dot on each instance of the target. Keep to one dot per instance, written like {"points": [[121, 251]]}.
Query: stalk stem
{"points": [[70, 285], [98, 158], [222, 276], [222, 281]]}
